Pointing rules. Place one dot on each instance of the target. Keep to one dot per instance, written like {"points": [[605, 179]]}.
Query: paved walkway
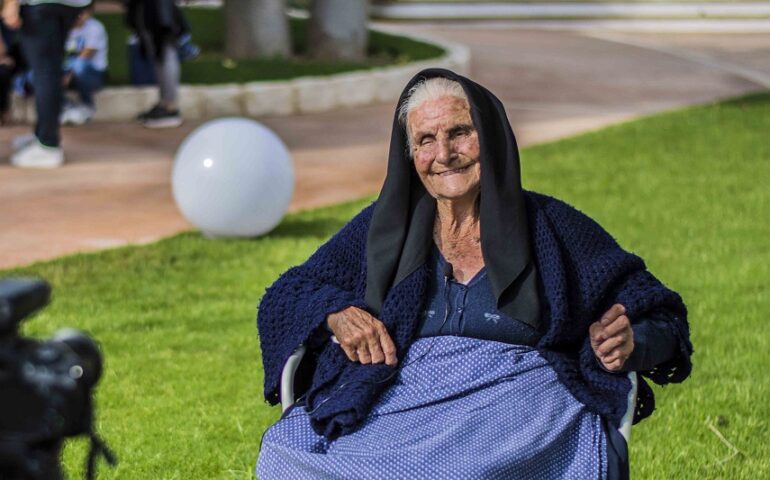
{"points": [[115, 188]]}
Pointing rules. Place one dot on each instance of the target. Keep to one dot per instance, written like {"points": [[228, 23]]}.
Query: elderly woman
{"points": [[484, 331]]}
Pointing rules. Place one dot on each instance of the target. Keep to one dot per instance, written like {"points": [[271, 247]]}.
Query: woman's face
{"points": [[445, 148]]}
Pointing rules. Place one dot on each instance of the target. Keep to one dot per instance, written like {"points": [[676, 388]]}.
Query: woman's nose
{"points": [[444, 151]]}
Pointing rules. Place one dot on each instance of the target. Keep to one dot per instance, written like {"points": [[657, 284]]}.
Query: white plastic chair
{"points": [[287, 377], [290, 369], [288, 373]]}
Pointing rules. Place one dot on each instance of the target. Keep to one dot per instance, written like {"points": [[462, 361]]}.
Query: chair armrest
{"points": [[288, 373], [287, 377]]}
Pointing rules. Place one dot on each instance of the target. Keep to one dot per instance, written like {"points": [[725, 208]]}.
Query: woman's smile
{"points": [[454, 171]]}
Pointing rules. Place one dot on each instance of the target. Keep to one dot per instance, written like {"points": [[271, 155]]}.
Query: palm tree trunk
{"points": [[256, 28], [338, 29]]}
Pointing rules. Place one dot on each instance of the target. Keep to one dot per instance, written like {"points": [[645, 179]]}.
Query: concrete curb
{"points": [[723, 26], [300, 95], [481, 10], [649, 17]]}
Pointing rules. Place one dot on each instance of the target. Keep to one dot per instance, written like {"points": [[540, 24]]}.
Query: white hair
{"points": [[428, 89]]}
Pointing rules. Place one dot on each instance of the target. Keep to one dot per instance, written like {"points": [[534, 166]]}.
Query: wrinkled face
{"points": [[445, 148]]}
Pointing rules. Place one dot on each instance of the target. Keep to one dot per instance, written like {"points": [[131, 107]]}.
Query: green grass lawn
{"points": [[207, 27], [687, 190]]}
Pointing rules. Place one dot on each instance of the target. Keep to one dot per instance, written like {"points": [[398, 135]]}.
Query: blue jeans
{"points": [[43, 32], [86, 79]]}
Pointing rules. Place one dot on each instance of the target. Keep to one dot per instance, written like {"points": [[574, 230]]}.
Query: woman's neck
{"points": [[455, 217], [457, 234]]}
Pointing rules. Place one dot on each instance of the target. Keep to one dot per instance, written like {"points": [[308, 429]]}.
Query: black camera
{"points": [[45, 388]]}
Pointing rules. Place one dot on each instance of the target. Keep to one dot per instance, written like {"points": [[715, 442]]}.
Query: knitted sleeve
{"points": [[617, 276], [641, 293], [600, 273], [299, 301]]}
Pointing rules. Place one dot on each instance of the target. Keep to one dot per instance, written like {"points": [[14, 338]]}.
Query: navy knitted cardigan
{"points": [[582, 272]]}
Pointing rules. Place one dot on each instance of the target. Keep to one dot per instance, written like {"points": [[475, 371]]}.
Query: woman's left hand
{"points": [[612, 338]]}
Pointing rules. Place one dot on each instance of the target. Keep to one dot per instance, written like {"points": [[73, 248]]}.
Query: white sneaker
{"points": [[65, 118], [21, 141], [76, 115], [37, 155], [87, 113]]}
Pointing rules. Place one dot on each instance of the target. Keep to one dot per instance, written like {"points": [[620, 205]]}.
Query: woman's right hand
{"points": [[363, 338]]}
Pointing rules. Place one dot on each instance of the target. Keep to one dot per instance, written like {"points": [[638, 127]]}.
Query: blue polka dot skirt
{"points": [[460, 408]]}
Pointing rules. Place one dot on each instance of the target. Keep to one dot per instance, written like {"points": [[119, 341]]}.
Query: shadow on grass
{"points": [[297, 227], [292, 226], [750, 100]]}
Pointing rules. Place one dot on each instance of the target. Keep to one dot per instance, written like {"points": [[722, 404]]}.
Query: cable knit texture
{"points": [[582, 272]]}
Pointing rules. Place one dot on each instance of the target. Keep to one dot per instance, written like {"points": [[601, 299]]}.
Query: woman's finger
{"points": [[613, 356], [363, 354], [618, 355], [387, 345], [619, 325], [373, 343], [613, 366], [611, 344], [614, 312]]}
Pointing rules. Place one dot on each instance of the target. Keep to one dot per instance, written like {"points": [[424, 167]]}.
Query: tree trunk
{"points": [[256, 28], [338, 29]]}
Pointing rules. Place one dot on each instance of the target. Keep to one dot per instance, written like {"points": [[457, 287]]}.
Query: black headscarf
{"points": [[401, 231]]}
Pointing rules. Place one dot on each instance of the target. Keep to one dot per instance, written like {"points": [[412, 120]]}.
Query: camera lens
{"points": [[87, 351]]}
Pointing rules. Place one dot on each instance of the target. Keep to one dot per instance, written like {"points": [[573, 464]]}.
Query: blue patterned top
{"points": [[470, 310], [453, 308]]}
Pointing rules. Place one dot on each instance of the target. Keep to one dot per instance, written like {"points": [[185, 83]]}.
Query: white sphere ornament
{"points": [[233, 177]]}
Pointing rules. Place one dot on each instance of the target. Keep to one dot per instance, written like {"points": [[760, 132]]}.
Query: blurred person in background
{"points": [[159, 26], [11, 63], [85, 69], [44, 27]]}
